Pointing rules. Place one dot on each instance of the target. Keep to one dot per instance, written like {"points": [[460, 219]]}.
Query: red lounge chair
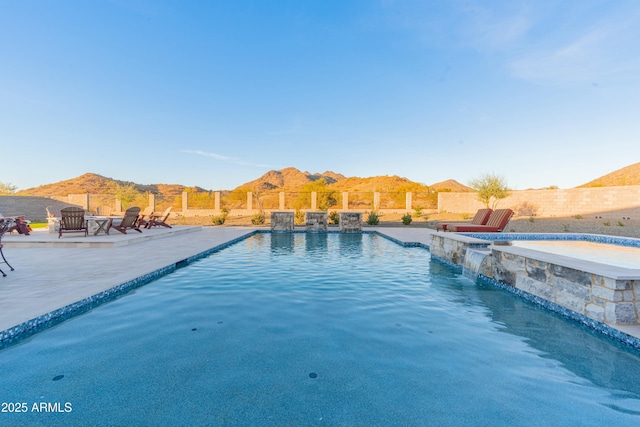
{"points": [[481, 218], [496, 223]]}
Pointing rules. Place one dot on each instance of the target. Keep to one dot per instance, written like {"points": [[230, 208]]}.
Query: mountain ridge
{"points": [[287, 179], [292, 179], [628, 175]]}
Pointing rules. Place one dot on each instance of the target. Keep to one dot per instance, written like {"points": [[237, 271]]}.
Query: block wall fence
{"points": [[611, 202], [607, 202]]}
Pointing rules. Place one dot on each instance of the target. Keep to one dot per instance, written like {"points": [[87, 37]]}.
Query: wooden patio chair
{"points": [[53, 212], [72, 221], [18, 223], [103, 211], [129, 221], [160, 220], [145, 216], [5, 225]]}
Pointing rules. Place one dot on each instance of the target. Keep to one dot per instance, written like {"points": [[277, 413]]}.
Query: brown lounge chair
{"points": [[481, 218], [53, 212], [18, 223], [496, 223], [145, 216], [72, 221], [104, 211], [159, 220], [129, 221]]}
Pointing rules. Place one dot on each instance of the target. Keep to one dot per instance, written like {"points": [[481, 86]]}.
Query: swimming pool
{"points": [[337, 329]]}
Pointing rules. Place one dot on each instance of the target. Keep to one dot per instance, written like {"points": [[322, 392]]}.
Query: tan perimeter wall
{"points": [[612, 202]]}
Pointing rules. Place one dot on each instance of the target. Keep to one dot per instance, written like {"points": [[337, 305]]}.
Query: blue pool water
{"points": [[322, 329]]}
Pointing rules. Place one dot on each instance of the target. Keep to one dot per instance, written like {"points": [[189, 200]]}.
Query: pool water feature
{"points": [[475, 263], [324, 328]]}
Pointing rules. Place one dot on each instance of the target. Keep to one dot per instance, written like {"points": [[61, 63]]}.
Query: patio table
{"points": [[101, 224]]}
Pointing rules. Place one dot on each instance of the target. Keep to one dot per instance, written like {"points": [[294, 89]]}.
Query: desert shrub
{"points": [[218, 220], [299, 217], [526, 209], [577, 217], [334, 218], [466, 216], [417, 212], [257, 219], [621, 224], [373, 218], [406, 219], [606, 223]]}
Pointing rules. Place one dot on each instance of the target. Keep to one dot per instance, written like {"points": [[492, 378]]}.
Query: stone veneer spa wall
{"points": [[600, 292], [605, 299]]}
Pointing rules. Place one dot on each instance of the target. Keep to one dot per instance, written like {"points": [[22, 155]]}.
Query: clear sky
{"points": [[216, 93]]}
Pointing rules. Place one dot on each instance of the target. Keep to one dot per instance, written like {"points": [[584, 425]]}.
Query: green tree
{"points": [[326, 198], [491, 189], [127, 194], [237, 199], [7, 188], [200, 199]]}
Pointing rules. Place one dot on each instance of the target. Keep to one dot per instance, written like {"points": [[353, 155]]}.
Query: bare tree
{"points": [[7, 188], [491, 188]]}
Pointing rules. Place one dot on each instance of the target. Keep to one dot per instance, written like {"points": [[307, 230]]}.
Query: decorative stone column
{"points": [[216, 200], [249, 200], [314, 200], [282, 221], [185, 202], [281, 200], [316, 221], [350, 221], [345, 200], [376, 201], [409, 199]]}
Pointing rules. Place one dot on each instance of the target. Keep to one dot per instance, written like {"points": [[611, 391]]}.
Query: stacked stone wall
{"points": [[449, 249], [603, 299]]}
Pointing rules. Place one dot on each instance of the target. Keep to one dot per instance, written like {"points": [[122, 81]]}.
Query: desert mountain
{"points": [[450, 185], [629, 175], [97, 184], [289, 179]]}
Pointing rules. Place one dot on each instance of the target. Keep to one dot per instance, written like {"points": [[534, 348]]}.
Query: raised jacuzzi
{"points": [[583, 287]]}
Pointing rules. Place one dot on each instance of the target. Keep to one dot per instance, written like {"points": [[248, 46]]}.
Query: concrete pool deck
{"points": [[51, 273]]}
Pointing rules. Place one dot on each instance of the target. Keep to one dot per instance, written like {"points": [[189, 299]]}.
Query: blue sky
{"points": [[216, 93]]}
